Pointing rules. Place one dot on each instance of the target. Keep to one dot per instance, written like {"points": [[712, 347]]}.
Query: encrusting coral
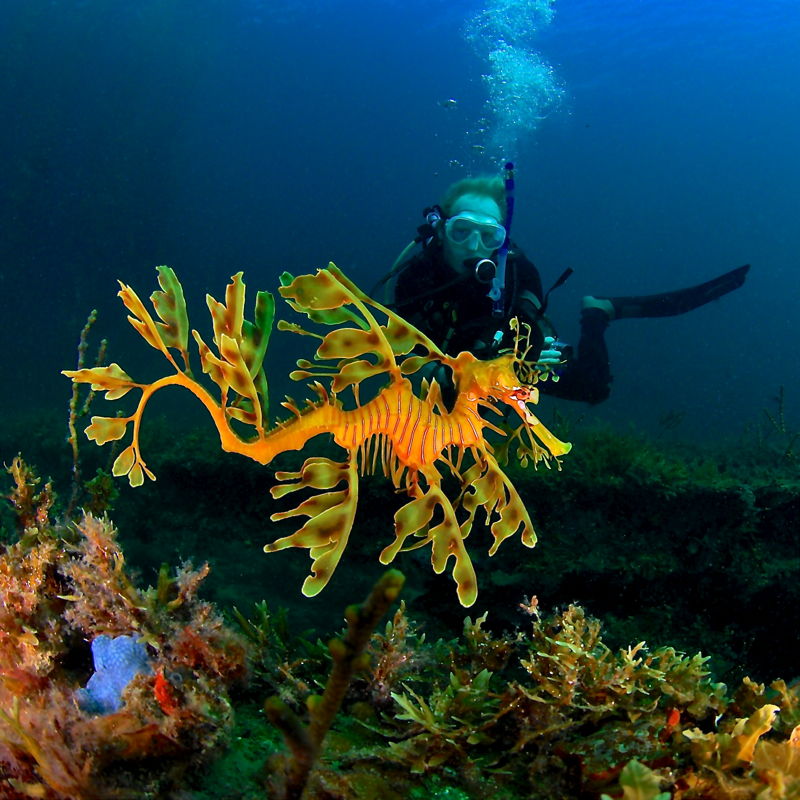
{"points": [[62, 589], [406, 434]]}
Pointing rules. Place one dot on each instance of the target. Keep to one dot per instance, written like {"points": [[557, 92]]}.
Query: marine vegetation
{"points": [[409, 436], [106, 690], [348, 654], [548, 711]]}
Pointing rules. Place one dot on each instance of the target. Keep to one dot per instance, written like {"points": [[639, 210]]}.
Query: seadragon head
{"points": [[510, 378]]}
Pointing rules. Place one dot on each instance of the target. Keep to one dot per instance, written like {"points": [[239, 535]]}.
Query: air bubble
{"points": [[523, 87]]}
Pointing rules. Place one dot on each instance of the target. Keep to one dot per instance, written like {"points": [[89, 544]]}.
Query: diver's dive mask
{"points": [[474, 232]]}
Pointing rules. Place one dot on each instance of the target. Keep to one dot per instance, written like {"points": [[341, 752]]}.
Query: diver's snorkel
{"points": [[497, 292]]}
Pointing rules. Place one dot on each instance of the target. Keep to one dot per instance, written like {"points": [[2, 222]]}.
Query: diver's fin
{"points": [[680, 301]]}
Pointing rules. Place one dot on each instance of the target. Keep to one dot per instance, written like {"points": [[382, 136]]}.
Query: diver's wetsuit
{"points": [[457, 315]]}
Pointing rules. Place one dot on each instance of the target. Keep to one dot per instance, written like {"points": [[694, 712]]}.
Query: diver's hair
{"points": [[491, 186]]}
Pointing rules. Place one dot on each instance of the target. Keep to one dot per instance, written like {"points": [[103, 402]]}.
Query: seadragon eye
{"points": [[520, 397]]}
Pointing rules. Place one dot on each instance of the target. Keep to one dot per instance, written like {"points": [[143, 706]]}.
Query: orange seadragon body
{"points": [[406, 435]]}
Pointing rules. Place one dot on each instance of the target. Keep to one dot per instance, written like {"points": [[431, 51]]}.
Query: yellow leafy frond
{"points": [[227, 317], [330, 518], [111, 379], [170, 305], [107, 429], [141, 319]]}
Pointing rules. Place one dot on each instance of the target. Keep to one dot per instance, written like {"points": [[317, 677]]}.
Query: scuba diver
{"points": [[470, 279]]}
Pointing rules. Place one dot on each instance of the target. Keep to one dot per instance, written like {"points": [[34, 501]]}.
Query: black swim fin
{"points": [[680, 301]]}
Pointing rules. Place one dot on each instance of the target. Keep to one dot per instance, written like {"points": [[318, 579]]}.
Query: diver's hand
{"points": [[550, 356]]}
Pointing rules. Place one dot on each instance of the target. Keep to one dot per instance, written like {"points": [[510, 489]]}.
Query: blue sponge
{"points": [[117, 661]]}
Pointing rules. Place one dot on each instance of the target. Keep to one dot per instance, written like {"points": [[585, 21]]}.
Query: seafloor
{"points": [[543, 691]]}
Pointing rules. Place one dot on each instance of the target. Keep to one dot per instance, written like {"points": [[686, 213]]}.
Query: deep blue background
{"points": [[218, 136]]}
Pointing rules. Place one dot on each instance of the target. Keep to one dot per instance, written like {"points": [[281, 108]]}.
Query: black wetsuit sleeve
{"points": [[528, 289], [586, 378]]}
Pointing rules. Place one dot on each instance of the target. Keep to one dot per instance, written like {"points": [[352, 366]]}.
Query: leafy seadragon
{"points": [[406, 435]]}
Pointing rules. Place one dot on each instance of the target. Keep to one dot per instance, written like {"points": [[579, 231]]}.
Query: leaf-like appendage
{"points": [[230, 371], [321, 297], [512, 514], [332, 316], [415, 363], [355, 372], [236, 373], [255, 335], [124, 462], [409, 520], [404, 337], [170, 305], [320, 291], [349, 343], [293, 327], [330, 516], [446, 538], [317, 473], [246, 415], [401, 337], [260, 382], [210, 363], [112, 379], [228, 317], [255, 340], [487, 486], [130, 463], [250, 341], [141, 320], [107, 429]]}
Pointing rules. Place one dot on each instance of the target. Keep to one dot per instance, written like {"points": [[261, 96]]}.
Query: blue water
{"points": [[217, 136]]}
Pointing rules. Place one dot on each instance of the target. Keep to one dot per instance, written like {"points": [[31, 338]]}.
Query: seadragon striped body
{"points": [[405, 434], [415, 430]]}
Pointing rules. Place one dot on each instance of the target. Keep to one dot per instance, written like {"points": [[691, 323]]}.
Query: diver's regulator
{"points": [[484, 269]]}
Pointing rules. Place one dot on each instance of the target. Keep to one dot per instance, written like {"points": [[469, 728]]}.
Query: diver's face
{"points": [[477, 243]]}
